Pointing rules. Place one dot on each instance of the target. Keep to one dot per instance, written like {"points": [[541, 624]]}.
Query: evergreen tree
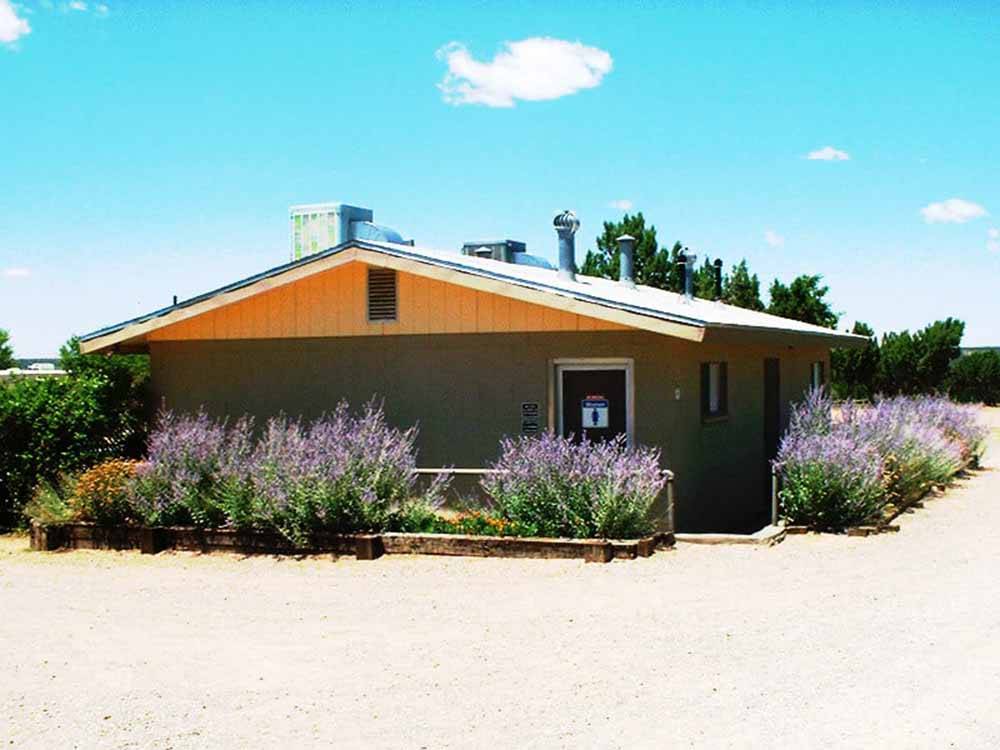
{"points": [[855, 370], [654, 266], [919, 362], [975, 378], [803, 300], [741, 289], [897, 370], [939, 344], [704, 280]]}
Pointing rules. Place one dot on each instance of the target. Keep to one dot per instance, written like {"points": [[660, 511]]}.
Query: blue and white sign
{"points": [[595, 412]]}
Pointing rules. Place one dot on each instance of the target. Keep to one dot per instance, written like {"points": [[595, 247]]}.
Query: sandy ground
{"points": [[889, 641]]}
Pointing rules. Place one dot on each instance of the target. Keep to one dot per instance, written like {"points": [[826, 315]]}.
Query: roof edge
{"points": [[638, 317]]}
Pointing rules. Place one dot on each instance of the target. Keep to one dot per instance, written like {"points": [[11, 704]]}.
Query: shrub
{"points": [[50, 503], [102, 493], [342, 473], [975, 378], [843, 471], [916, 451], [56, 426], [551, 486], [416, 516], [829, 481], [193, 472]]}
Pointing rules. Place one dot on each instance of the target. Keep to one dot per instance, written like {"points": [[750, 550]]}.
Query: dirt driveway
{"points": [[890, 641]]}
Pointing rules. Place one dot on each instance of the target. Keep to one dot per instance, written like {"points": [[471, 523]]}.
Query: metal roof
{"points": [[641, 300]]}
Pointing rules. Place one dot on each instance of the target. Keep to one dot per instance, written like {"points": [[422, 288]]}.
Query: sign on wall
{"points": [[595, 412], [530, 417]]}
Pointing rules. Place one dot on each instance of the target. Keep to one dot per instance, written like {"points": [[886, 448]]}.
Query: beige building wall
{"points": [[465, 391], [333, 303]]}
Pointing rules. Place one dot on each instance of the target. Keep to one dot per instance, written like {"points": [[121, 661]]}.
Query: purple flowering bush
{"points": [[343, 472], [193, 467], [829, 481], [551, 486], [841, 470]]}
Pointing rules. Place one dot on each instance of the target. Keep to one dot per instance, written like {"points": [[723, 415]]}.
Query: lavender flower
{"points": [[842, 470], [188, 458], [342, 472], [551, 486]]}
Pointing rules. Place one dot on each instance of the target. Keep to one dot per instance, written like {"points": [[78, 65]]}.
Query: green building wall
{"points": [[466, 390]]}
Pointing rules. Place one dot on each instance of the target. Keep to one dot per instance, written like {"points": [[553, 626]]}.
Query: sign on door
{"points": [[595, 413]]}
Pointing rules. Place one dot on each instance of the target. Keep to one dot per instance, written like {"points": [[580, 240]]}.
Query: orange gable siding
{"points": [[333, 303]]}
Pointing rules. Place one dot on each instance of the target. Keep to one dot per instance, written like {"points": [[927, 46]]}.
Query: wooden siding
{"points": [[333, 303]]}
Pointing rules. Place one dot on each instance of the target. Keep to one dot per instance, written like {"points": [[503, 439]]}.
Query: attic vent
{"points": [[381, 294]]}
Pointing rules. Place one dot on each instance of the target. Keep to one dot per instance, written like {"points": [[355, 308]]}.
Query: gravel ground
{"points": [[888, 641]]}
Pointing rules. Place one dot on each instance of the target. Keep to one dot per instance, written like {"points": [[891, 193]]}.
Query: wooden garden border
{"points": [[150, 540]]}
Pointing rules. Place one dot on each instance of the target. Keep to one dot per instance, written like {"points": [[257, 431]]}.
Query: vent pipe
{"points": [[689, 261], [566, 225], [626, 252], [718, 279]]}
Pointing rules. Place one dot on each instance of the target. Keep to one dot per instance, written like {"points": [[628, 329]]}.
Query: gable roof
{"points": [[639, 307]]}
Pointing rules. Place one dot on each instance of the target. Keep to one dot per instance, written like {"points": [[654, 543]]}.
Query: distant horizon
{"points": [[154, 151]]}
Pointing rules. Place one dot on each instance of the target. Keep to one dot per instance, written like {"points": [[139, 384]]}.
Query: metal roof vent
{"points": [[566, 225], [504, 250], [381, 294]]}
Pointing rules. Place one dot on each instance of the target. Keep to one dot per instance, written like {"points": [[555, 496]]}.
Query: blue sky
{"points": [[152, 149]]}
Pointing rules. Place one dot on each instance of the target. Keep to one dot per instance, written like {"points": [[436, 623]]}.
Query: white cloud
{"points": [[828, 153], [952, 211], [773, 239], [993, 243], [101, 9], [994, 234], [77, 5], [12, 27], [532, 69], [16, 273], [622, 204]]}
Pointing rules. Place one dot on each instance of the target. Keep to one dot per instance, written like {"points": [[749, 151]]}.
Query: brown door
{"points": [[593, 404]]}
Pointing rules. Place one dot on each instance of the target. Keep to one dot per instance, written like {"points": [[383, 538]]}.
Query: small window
{"points": [[817, 377], [381, 294], [714, 390]]}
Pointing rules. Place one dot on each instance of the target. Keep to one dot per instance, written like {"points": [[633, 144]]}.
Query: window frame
{"points": [[721, 414], [817, 368]]}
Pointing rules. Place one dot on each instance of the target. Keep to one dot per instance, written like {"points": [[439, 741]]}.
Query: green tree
{"points": [[704, 280], [741, 289], [855, 370], [897, 369], [975, 378], [124, 371], [939, 344], [6, 351], [803, 300], [919, 362], [654, 266]]}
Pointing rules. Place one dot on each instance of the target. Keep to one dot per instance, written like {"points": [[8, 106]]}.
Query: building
{"points": [[32, 368], [474, 348]]}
